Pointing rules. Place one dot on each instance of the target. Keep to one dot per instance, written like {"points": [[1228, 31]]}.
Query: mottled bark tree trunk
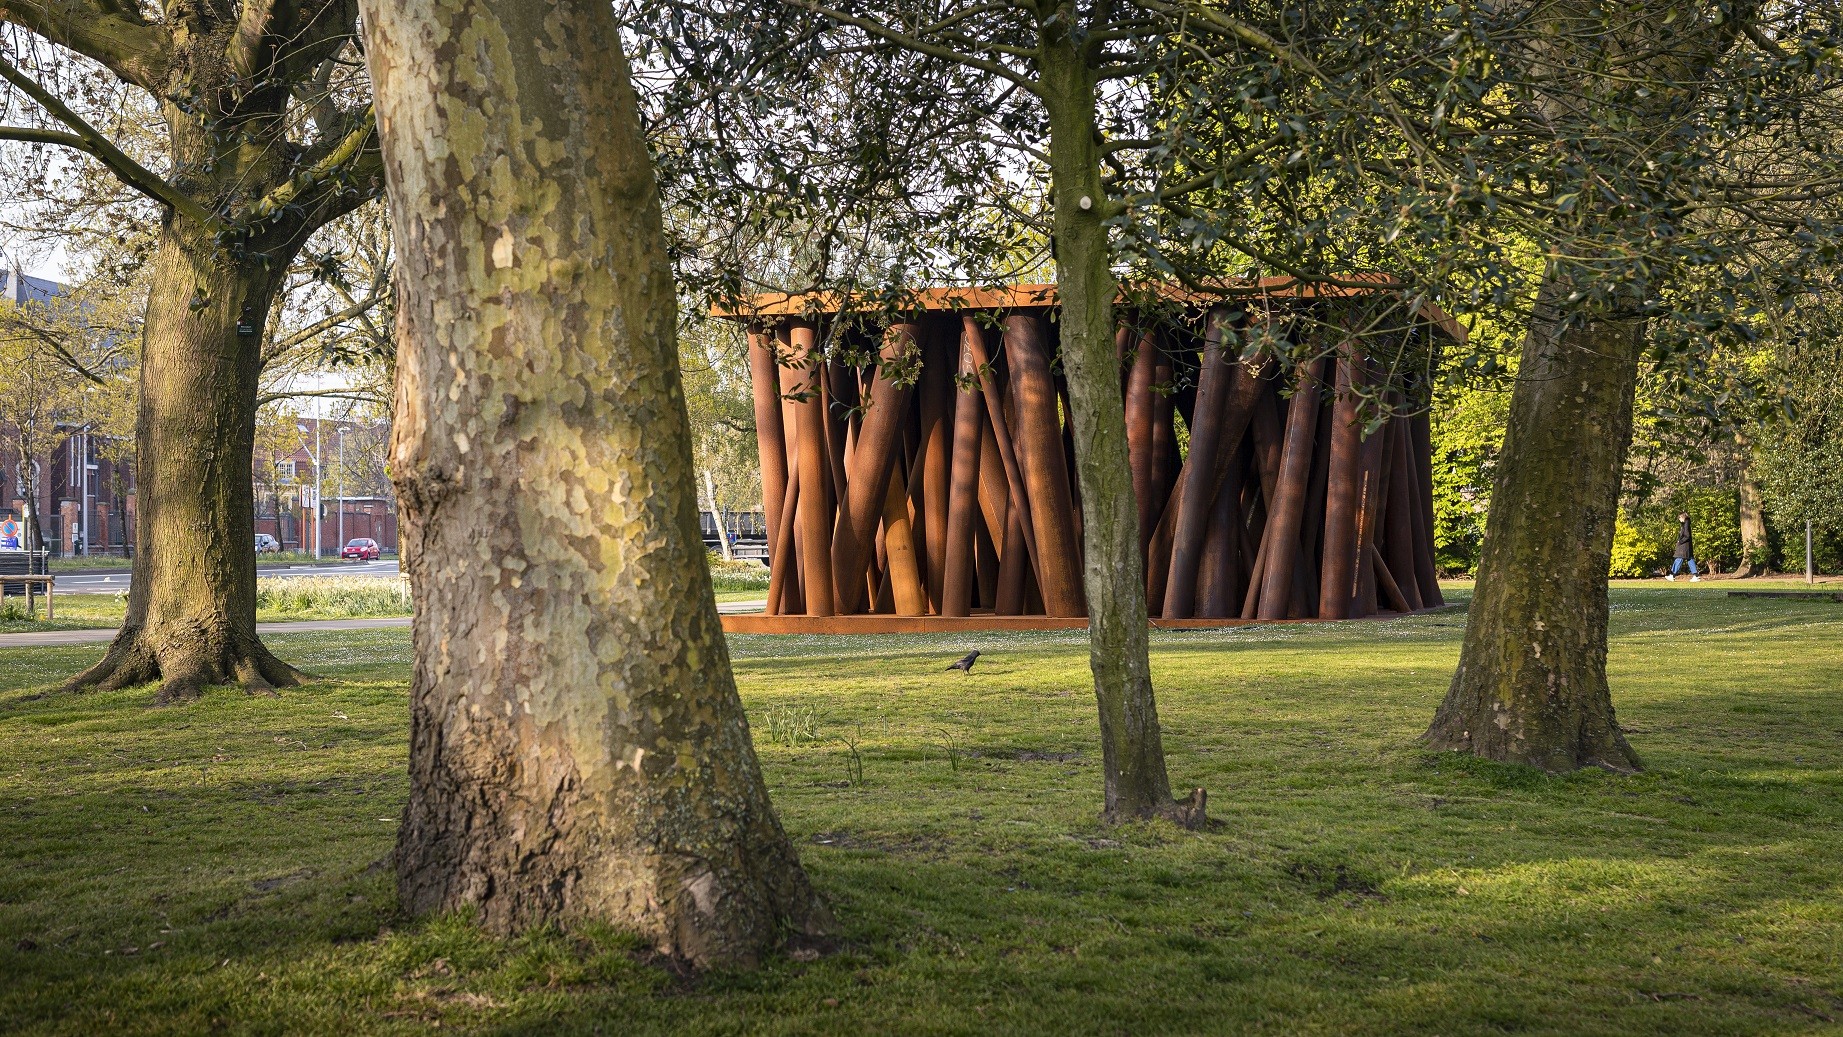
{"points": [[577, 748], [191, 617], [1531, 685], [1132, 749]]}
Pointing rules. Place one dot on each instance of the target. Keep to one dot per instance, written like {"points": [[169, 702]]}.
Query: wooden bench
{"points": [[49, 582]]}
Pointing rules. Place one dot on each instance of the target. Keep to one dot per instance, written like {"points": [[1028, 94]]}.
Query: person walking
{"points": [[1686, 550]]}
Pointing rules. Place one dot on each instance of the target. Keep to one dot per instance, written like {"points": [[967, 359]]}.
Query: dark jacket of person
{"points": [[1685, 546]]}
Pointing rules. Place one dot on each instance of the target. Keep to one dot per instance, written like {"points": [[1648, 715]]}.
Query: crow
{"points": [[966, 665]]}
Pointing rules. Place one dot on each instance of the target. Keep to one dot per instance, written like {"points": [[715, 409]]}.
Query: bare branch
{"points": [[88, 139], [907, 42]]}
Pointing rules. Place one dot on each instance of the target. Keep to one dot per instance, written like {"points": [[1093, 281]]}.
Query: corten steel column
{"points": [[1140, 432], [1267, 430], [1199, 491], [815, 463], [783, 580], [834, 428], [770, 438], [879, 447], [1288, 507], [898, 537], [1386, 586], [1337, 581], [1221, 582], [1158, 550], [994, 493], [1045, 475], [1398, 537], [1313, 532], [1164, 436], [960, 558], [791, 381], [1258, 525], [939, 357], [985, 562], [1420, 429], [1369, 501], [999, 427], [1013, 569]]}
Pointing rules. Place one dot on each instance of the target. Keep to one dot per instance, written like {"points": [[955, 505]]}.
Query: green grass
{"points": [[277, 601], [223, 867], [75, 612]]}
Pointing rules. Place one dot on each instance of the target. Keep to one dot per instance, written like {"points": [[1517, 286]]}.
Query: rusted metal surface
{"points": [[878, 445], [1046, 477], [1290, 492], [934, 489], [815, 515], [770, 438], [960, 561], [1205, 442]]}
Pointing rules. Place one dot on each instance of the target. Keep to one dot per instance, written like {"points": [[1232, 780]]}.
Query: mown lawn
{"points": [[222, 867], [96, 611]]}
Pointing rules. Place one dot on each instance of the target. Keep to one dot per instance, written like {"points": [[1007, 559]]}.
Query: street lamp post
{"points": [[319, 511], [340, 543]]}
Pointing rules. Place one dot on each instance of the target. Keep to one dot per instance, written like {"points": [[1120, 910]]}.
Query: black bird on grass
{"points": [[966, 665]]}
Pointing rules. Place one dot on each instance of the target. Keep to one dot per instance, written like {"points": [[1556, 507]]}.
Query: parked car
{"points": [[267, 545], [364, 549]]}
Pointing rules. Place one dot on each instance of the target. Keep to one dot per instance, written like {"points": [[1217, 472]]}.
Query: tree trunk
{"points": [[578, 752], [1752, 516], [1531, 685], [191, 618], [1132, 750]]}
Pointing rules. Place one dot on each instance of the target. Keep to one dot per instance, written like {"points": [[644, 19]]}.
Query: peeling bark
{"points": [[578, 751]]}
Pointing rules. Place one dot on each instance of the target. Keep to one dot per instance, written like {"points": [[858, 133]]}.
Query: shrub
{"points": [[1638, 550], [738, 575]]}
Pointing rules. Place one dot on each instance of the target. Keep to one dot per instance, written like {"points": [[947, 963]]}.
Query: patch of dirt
{"points": [[1327, 882], [900, 846], [271, 884]]}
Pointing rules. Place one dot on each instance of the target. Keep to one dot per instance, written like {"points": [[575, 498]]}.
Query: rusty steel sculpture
{"points": [[918, 473]]}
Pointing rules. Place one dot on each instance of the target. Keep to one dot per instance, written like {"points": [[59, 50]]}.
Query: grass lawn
{"points": [[223, 867], [92, 611]]}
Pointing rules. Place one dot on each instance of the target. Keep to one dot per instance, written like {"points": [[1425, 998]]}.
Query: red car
{"points": [[364, 549]]}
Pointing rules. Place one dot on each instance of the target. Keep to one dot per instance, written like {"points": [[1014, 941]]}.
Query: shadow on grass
{"points": [[238, 848]]}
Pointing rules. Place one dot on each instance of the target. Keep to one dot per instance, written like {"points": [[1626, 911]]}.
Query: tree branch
{"points": [[303, 188], [86, 138], [907, 42], [111, 34]]}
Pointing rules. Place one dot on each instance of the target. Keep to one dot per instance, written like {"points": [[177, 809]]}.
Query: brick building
{"points": [[288, 481]]}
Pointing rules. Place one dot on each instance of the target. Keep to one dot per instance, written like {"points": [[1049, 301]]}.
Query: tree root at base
{"points": [[184, 672], [1609, 752], [1191, 812]]}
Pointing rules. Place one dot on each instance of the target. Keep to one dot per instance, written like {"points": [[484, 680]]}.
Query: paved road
{"points": [[112, 582], [37, 639]]}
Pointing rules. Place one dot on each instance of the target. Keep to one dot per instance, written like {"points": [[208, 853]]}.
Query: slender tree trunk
{"points": [[1752, 515], [191, 618], [1531, 685], [1132, 749], [578, 752]]}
